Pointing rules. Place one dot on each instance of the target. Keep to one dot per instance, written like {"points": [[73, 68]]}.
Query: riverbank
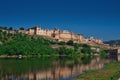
{"points": [[37, 56], [111, 71]]}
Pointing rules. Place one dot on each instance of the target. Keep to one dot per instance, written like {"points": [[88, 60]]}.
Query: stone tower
{"points": [[37, 30], [56, 33]]}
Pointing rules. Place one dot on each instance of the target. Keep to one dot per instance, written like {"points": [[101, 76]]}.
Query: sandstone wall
{"points": [[31, 31]]}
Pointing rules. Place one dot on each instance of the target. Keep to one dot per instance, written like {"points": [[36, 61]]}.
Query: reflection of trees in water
{"points": [[86, 59], [46, 68], [18, 67], [71, 68], [62, 62], [54, 67]]}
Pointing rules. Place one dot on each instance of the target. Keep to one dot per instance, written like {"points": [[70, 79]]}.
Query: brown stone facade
{"points": [[63, 35], [60, 35]]}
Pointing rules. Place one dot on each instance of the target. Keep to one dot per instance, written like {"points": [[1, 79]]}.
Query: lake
{"points": [[47, 68]]}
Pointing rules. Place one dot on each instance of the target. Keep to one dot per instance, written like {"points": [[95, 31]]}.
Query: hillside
{"points": [[34, 45], [16, 44], [113, 42]]}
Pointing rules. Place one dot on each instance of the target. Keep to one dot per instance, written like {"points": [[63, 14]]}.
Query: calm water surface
{"points": [[46, 68]]}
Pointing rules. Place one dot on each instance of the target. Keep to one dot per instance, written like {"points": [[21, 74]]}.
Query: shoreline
{"points": [[32, 56], [111, 69]]}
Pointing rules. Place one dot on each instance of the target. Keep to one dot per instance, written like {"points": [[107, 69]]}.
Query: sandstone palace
{"points": [[59, 35]]}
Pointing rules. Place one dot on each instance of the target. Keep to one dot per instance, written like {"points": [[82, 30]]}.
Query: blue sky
{"points": [[98, 18]]}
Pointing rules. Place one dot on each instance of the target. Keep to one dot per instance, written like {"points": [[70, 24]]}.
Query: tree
{"points": [[62, 50], [2, 27], [85, 45], [103, 54], [86, 50], [86, 59], [10, 28], [76, 46], [61, 43], [22, 44], [21, 28], [70, 42], [69, 51]]}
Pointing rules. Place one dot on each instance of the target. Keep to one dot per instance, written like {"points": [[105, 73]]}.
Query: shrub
{"points": [[102, 54], [61, 43], [70, 42]]}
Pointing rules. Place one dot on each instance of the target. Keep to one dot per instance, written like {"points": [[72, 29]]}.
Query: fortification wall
{"points": [[59, 35], [31, 31]]}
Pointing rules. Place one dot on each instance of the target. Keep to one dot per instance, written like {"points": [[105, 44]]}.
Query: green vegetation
{"points": [[110, 72], [86, 49], [86, 59], [70, 43], [102, 54], [64, 51], [16, 44], [18, 67], [33, 45]]}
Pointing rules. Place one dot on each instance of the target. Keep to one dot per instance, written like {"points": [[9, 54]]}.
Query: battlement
{"points": [[58, 35]]}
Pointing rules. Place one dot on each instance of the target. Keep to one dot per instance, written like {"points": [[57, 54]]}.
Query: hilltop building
{"points": [[59, 35]]}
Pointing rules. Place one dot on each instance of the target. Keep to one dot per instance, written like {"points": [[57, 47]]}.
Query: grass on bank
{"points": [[111, 71]]}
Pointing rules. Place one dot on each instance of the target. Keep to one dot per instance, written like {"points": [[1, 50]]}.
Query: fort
{"points": [[59, 35]]}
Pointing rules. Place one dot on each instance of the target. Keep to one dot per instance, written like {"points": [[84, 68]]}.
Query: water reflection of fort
{"points": [[57, 72]]}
